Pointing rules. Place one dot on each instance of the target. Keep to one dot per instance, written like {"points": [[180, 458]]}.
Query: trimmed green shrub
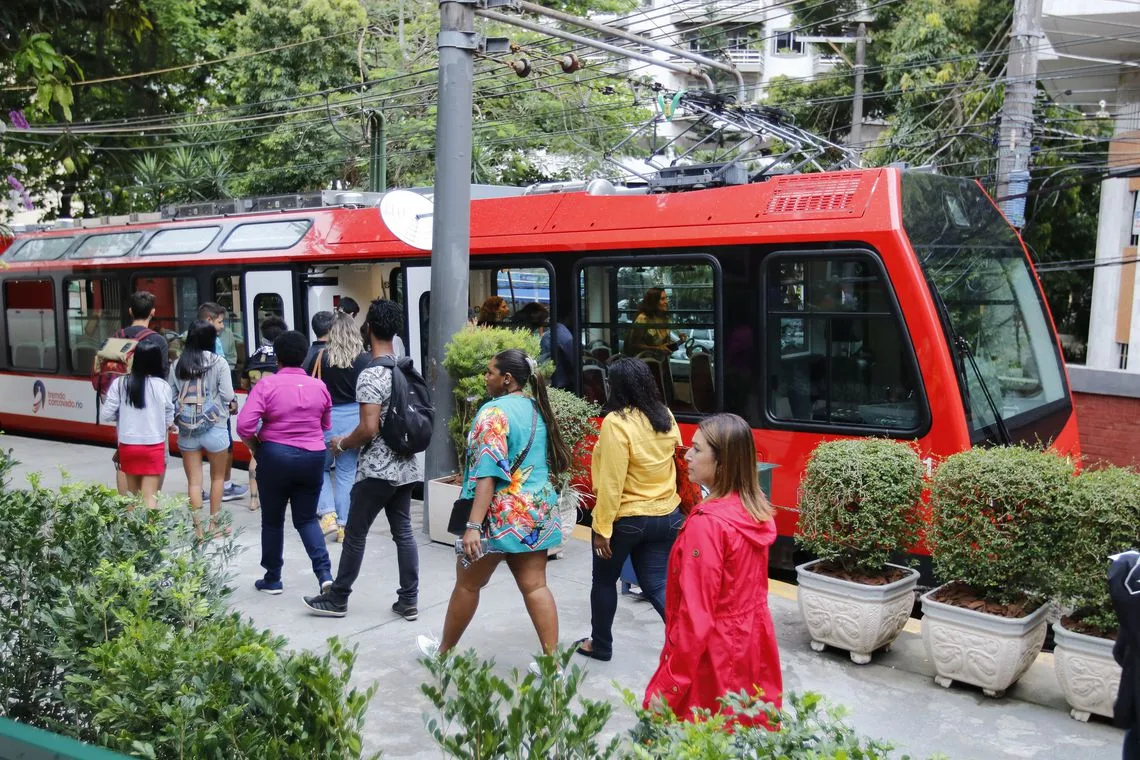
{"points": [[485, 717], [1101, 517], [995, 514], [859, 502], [465, 360], [577, 422]]}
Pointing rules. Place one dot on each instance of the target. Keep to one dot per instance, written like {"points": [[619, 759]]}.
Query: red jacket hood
{"points": [[730, 511]]}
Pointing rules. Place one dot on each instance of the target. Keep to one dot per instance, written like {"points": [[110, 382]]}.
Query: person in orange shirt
{"points": [[636, 514]]}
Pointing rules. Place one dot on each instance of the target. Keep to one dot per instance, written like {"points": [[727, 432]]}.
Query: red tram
{"points": [[859, 303]]}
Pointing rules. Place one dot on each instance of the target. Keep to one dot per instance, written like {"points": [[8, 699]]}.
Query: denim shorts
{"points": [[214, 440]]}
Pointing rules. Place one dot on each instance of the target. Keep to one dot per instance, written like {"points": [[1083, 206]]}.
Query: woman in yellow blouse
{"points": [[650, 333], [636, 513]]}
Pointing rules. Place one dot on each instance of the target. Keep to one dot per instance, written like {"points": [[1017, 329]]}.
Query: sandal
{"points": [[590, 652]]}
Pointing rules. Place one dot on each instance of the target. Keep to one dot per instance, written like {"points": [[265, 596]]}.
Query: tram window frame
{"points": [[233, 322], [659, 258], [14, 254], [923, 417], [257, 301], [79, 253], [227, 247], [498, 263], [176, 331], [80, 368], [146, 249], [10, 354]]}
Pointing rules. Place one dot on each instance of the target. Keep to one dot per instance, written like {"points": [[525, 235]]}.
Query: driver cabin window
{"points": [[29, 316]]}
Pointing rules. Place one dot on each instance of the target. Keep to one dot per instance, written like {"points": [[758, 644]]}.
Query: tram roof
{"points": [[503, 220]]}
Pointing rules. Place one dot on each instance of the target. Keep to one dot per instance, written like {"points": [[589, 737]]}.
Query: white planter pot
{"points": [[853, 616], [1088, 675], [978, 648], [440, 498]]}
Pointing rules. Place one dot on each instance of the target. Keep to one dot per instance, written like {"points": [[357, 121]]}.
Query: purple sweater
{"points": [[292, 408]]}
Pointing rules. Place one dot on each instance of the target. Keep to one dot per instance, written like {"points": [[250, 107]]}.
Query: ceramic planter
{"points": [[441, 497], [978, 648], [853, 616], [1088, 675]]}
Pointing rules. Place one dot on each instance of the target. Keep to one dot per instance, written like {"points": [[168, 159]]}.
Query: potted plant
{"points": [[1100, 518], [858, 506], [994, 514]]}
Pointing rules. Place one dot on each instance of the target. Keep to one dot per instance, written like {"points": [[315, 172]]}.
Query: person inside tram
{"points": [[555, 341], [494, 312], [349, 306], [650, 333], [321, 323]]}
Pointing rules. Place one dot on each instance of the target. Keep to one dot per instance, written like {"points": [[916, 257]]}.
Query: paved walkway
{"points": [[894, 698]]}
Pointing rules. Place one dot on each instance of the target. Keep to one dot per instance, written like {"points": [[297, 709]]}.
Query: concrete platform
{"points": [[894, 698]]}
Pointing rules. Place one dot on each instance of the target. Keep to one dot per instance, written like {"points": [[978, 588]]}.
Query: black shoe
{"points": [[325, 607], [405, 610], [603, 656]]}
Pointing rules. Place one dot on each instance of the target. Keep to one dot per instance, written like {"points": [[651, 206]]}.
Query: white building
{"points": [[1090, 61]]}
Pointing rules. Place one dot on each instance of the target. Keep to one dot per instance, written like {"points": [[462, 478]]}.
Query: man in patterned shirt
{"points": [[384, 480]]}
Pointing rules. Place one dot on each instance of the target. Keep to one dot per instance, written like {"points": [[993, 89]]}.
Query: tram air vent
{"points": [[807, 194]]}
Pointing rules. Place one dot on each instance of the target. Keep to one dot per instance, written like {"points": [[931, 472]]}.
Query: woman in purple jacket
{"points": [[283, 423]]}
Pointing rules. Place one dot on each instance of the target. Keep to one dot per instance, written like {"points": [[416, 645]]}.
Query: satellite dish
{"points": [[409, 216]]}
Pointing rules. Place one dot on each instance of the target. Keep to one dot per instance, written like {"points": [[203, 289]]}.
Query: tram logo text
{"points": [[41, 398]]}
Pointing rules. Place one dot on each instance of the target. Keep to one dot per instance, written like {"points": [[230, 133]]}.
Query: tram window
{"points": [[106, 246], [95, 312], [40, 249], [837, 353], [522, 286], [265, 236], [665, 315], [29, 316], [175, 307], [267, 305], [227, 293], [181, 240]]}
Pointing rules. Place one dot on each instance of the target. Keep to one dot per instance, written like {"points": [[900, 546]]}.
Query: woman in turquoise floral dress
{"points": [[514, 450]]}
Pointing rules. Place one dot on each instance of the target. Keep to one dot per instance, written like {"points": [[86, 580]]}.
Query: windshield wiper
{"points": [[964, 347]]}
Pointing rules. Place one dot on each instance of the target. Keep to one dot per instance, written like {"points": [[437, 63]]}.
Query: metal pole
{"points": [[856, 139], [540, 10], [378, 155], [451, 222], [579, 39], [1015, 139]]}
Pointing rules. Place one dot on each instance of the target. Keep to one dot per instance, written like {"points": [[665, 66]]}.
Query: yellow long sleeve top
{"points": [[633, 470]]}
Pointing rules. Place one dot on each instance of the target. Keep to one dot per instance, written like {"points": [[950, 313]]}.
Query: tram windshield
{"points": [[1007, 354]]}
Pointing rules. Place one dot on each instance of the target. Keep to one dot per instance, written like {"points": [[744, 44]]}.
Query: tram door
{"points": [[418, 300], [267, 294]]}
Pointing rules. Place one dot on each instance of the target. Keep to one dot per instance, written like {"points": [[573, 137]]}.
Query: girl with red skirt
{"points": [[141, 405]]}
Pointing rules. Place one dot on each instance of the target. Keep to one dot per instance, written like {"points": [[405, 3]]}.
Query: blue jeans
{"points": [[369, 496], [345, 418], [288, 474], [647, 541]]}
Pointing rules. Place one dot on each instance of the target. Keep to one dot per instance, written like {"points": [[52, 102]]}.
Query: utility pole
{"points": [[855, 142], [1016, 137], [451, 220]]}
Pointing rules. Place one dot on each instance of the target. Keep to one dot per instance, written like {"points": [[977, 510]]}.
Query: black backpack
{"points": [[406, 426]]}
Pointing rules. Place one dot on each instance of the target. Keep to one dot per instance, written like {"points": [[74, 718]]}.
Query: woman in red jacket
{"points": [[718, 630]]}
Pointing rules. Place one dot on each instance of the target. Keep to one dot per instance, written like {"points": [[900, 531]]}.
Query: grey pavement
{"points": [[894, 698]]}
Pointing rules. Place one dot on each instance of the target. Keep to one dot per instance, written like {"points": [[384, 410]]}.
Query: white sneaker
{"points": [[428, 645], [535, 668]]}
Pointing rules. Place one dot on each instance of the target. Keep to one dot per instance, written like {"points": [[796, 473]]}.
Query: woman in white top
{"points": [[142, 406]]}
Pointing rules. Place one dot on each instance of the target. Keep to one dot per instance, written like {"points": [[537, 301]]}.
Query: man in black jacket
{"points": [[1124, 587]]}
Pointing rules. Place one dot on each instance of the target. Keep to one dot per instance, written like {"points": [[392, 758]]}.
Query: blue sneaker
{"points": [[234, 491], [269, 587]]}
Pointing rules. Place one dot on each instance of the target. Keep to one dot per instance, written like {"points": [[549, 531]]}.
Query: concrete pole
{"points": [[451, 222], [855, 142], [1016, 137]]}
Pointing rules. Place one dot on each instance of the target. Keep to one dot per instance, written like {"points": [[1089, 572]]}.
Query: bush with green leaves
{"points": [[577, 422], [995, 514], [465, 359], [859, 502], [1101, 517], [809, 729], [483, 716], [114, 630]]}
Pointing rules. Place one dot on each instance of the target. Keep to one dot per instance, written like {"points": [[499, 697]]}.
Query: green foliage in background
{"points": [[577, 422], [996, 514], [1101, 516], [859, 502]]}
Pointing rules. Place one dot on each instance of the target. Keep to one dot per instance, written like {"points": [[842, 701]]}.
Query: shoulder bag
{"points": [[461, 510]]}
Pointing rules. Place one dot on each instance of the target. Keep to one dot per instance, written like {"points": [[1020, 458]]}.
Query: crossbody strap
{"points": [[317, 365], [533, 426]]}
